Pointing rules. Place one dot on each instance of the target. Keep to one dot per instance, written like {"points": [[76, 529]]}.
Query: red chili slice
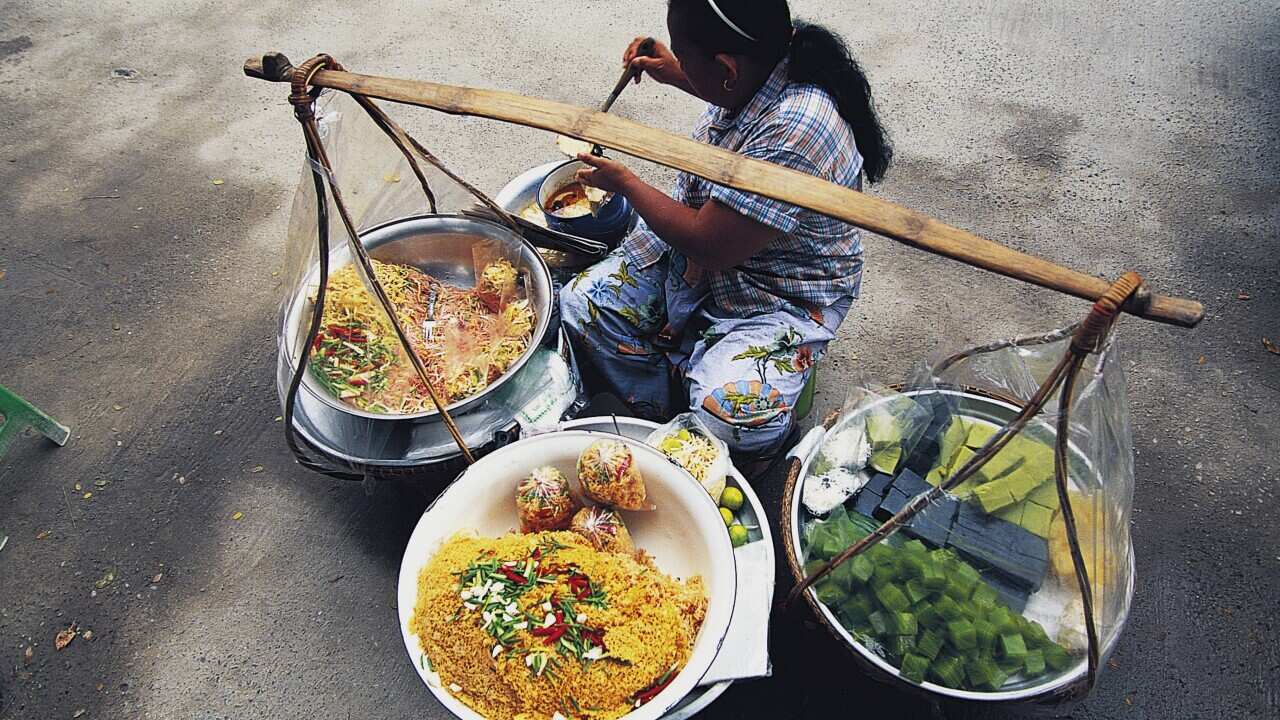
{"points": [[622, 467], [651, 693], [511, 575], [580, 586], [595, 635], [550, 635]]}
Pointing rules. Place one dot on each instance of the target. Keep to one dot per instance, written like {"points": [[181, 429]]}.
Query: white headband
{"points": [[729, 22]]}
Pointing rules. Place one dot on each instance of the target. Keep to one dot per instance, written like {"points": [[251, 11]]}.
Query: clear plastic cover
{"points": [[474, 300], [977, 592], [687, 441]]}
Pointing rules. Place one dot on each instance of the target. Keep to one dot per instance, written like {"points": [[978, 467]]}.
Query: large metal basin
{"points": [[1064, 686], [444, 247]]}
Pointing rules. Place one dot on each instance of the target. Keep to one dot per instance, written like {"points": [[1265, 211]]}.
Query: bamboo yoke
{"points": [[732, 170], [1129, 294]]}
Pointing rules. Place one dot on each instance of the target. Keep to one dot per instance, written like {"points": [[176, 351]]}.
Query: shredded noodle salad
{"points": [[692, 451], [478, 333]]}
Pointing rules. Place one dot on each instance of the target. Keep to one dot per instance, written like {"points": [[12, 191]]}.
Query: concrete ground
{"points": [[141, 237]]}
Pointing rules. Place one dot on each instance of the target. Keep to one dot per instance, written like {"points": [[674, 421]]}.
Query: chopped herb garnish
{"points": [[496, 590]]}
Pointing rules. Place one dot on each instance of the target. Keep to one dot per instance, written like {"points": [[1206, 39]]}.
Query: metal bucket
{"points": [[1064, 687], [442, 246]]}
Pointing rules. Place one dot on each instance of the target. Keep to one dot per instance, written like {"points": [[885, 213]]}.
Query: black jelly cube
{"points": [[879, 484], [993, 547], [1013, 596], [971, 515], [928, 532], [933, 524], [1034, 547], [892, 504], [866, 502], [909, 483], [923, 457], [1005, 536]]}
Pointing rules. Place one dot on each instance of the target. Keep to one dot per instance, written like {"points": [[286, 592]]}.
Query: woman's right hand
{"points": [[662, 65]]}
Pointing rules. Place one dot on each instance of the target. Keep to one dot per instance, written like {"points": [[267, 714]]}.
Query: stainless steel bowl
{"points": [[1048, 689], [445, 247]]}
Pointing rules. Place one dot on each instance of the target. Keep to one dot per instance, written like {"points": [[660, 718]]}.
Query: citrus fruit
{"points": [[727, 514], [732, 498]]}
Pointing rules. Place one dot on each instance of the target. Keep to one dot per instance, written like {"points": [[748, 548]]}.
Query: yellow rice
{"points": [[650, 624]]}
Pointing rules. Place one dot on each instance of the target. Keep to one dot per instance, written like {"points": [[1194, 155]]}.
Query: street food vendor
{"points": [[719, 300]]}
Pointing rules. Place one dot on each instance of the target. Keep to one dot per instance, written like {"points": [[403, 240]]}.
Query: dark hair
{"points": [[817, 56]]}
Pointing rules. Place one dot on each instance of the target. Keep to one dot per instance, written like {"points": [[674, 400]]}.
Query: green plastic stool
{"points": [[804, 404], [17, 415]]}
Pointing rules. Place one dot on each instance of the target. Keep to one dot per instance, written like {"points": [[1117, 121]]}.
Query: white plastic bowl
{"points": [[685, 535]]}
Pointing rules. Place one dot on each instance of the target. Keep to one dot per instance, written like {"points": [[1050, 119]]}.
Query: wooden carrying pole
{"points": [[733, 170]]}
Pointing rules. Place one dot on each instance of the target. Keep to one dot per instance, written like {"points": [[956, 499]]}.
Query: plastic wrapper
{"points": [[553, 386], [380, 191], [876, 434], [375, 179], [608, 473], [977, 591], [543, 501], [604, 529], [688, 442]]}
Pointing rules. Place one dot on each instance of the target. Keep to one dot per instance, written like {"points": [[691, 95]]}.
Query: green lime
{"points": [[737, 535], [727, 514], [731, 498]]}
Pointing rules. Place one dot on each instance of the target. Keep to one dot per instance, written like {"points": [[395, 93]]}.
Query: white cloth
{"points": [[745, 652]]}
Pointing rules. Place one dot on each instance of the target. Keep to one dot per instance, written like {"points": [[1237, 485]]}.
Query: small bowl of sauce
{"points": [[568, 205]]}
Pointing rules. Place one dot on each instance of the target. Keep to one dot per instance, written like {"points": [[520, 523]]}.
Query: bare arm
{"points": [[713, 236]]}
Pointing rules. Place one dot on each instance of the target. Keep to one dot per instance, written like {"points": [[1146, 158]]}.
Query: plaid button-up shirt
{"points": [[815, 261]]}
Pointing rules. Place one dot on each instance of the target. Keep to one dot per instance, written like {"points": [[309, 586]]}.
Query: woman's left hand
{"points": [[608, 175]]}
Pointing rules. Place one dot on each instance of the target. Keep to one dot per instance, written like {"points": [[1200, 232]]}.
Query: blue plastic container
{"points": [[610, 221]]}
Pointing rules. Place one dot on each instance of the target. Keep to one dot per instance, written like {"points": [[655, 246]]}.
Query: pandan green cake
{"points": [[1015, 485], [928, 612]]}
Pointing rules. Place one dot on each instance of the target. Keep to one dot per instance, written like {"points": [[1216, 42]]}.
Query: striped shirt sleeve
{"points": [[792, 140]]}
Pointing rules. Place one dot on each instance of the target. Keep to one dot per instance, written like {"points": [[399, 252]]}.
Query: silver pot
{"points": [[444, 247]]}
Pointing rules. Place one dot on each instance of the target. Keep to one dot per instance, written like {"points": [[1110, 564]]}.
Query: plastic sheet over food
{"points": [[977, 592], [476, 293]]}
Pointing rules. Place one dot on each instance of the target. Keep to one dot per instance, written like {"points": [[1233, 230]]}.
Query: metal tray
{"points": [[443, 246], [370, 445]]}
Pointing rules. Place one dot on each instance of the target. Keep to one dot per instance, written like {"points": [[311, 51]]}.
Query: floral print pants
{"points": [[652, 336]]}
